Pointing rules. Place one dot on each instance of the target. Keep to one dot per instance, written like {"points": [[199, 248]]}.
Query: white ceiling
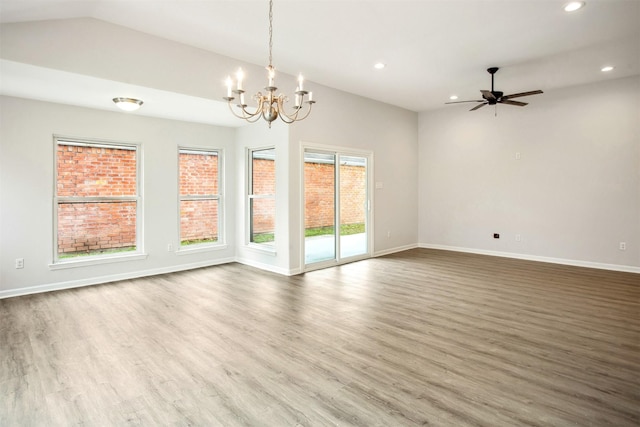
{"points": [[432, 48]]}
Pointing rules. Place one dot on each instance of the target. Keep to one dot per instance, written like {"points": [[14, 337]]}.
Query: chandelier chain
{"points": [[270, 33]]}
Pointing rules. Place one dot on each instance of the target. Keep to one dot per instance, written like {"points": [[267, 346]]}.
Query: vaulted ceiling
{"points": [[432, 49]]}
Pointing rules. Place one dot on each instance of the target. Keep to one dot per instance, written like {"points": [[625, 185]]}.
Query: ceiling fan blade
{"points": [[487, 95], [518, 103], [460, 102], [479, 106], [517, 95]]}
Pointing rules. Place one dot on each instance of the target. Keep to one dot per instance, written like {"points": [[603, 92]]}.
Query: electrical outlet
{"points": [[518, 157], [388, 234], [19, 262], [623, 246], [496, 235], [169, 247], [518, 238]]}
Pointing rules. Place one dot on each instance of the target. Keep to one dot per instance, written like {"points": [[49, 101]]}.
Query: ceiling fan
{"points": [[493, 97]]}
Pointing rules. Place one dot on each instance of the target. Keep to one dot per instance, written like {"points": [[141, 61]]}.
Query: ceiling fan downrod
{"points": [[492, 71]]}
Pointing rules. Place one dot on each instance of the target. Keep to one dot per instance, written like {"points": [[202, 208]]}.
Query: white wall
{"points": [[258, 135], [99, 49], [26, 191], [573, 195]]}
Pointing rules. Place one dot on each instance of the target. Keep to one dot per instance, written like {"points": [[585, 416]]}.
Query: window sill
{"points": [[60, 265], [198, 249], [269, 250]]}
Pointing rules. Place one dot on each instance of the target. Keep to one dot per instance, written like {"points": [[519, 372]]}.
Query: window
{"points": [[262, 196], [199, 197], [97, 200]]}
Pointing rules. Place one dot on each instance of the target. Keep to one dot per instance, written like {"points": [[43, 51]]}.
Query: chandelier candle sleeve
{"points": [[229, 84]]}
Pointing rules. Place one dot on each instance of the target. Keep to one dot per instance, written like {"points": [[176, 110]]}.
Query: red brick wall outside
{"points": [[353, 194], [319, 183], [198, 177], [264, 176], [319, 194], [95, 172], [264, 183], [95, 227]]}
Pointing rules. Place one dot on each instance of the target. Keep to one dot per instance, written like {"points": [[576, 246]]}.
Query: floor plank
{"points": [[422, 337]]}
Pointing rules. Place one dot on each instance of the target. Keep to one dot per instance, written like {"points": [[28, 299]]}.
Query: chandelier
{"points": [[269, 106]]}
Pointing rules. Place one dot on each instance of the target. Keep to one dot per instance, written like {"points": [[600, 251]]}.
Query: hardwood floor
{"points": [[422, 337]]}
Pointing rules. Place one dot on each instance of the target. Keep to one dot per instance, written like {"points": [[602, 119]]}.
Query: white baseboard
{"points": [[290, 272], [268, 267], [109, 278], [575, 263], [394, 250]]}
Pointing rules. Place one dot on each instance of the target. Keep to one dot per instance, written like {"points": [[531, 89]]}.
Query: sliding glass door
{"points": [[335, 193]]}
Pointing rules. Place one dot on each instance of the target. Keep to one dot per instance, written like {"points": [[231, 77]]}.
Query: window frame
{"points": [[138, 253], [266, 246], [221, 241]]}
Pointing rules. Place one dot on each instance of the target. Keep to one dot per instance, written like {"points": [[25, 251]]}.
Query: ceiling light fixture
{"points": [[606, 69], [573, 6], [453, 97], [128, 104], [379, 65], [270, 106]]}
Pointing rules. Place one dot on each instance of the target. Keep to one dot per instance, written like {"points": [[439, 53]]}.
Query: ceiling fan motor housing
{"points": [[498, 97]]}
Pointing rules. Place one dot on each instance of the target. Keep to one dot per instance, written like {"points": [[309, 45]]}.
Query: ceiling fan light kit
{"points": [[495, 97]]}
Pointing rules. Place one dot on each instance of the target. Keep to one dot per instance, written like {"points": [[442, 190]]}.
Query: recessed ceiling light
{"points": [[606, 69], [453, 97], [128, 104], [379, 66], [573, 6]]}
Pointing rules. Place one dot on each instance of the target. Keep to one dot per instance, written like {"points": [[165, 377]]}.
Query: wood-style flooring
{"points": [[422, 337]]}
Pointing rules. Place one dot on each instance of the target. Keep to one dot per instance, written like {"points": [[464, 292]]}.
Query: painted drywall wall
{"points": [[100, 49], [391, 134], [254, 136], [572, 196], [26, 191]]}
